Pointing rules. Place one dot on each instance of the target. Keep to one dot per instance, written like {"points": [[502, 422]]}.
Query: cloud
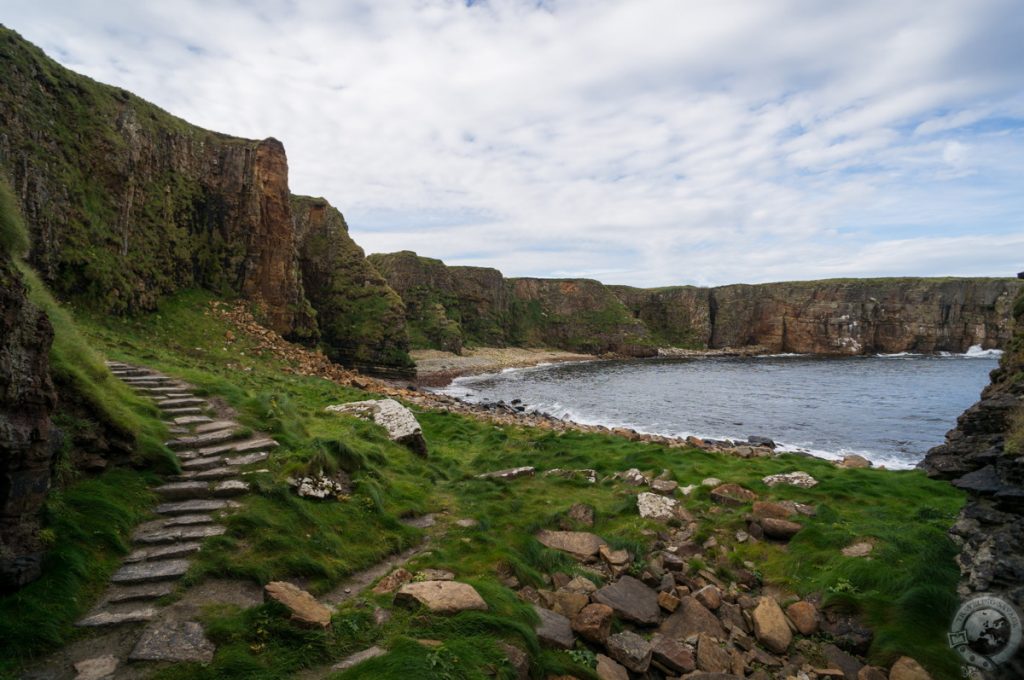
{"points": [[648, 142]]}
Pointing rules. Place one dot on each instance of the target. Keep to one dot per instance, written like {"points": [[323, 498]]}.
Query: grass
{"points": [[13, 235], [905, 589]]}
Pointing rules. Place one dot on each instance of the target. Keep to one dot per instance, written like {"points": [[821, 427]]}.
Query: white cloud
{"points": [[644, 141]]}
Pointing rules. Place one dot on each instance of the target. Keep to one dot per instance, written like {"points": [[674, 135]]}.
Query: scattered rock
{"points": [[710, 597], [358, 658], [691, 618], [758, 440], [849, 665], [582, 513], [906, 668], [632, 477], [668, 601], [770, 625], [846, 630], [97, 668], [467, 523], [442, 597], [871, 673], [434, 575], [780, 529], [579, 544], [568, 603], [798, 478], [581, 585], [510, 473], [554, 630], [517, 659], [183, 642], [594, 622], [607, 669], [631, 600], [617, 560], [672, 656], [665, 487], [859, 549], [854, 461], [732, 495], [304, 608], [712, 482], [804, 616], [658, 507], [764, 509], [399, 422], [631, 650], [321, 486], [710, 655], [393, 581]]}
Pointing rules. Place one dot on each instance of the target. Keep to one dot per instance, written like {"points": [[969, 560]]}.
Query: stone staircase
{"points": [[213, 453]]}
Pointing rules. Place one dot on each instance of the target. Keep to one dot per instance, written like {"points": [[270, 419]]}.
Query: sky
{"points": [[642, 142]]}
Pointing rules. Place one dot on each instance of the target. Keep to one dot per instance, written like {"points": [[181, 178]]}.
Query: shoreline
{"points": [[435, 368]]}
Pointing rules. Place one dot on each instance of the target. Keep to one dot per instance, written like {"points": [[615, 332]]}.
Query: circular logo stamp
{"points": [[986, 631]]}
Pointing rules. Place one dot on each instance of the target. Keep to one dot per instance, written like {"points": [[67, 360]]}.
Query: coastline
{"points": [[435, 368]]}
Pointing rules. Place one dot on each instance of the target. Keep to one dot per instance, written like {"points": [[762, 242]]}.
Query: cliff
{"points": [[984, 455], [361, 319], [126, 203], [451, 306]]}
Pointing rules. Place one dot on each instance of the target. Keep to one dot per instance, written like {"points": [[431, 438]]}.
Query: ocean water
{"points": [[889, 408]]}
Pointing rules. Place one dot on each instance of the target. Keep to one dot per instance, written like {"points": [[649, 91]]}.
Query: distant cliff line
{"points": [[451, 306]]}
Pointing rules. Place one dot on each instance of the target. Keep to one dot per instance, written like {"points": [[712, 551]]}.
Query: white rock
{"points": [[656, 506], [400, 423], [712, 482], [798, 478]]}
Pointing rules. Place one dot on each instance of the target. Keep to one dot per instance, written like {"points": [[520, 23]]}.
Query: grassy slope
{"points": [[907, 590]]}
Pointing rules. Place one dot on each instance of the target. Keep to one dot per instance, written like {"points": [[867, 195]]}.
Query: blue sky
{"points": [[648, 142]]}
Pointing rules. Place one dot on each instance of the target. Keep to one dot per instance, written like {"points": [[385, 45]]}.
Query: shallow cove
{"points": [[890, 409]]}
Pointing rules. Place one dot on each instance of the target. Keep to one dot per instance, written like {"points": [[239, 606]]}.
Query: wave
{"points": [[784, 355], [899, 355], [976, 352], [973, 352]]}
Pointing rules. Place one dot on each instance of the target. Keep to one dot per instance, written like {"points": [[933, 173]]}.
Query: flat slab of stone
{"points": [[579, 544], [247, 459], [554, 630], [211, 474], [631, 600], [190, 507], [163, 552], [216, 426], [179, 533], [691, 618], [358, 658], [192, 420], [183, 642], [798, 478], [182, 490], [183, 411], [201, 440], [398, 421], [658, 507], [202, 463], [144, 572], [230, 487], [241, 446], [510, 473], [181, 403], [145, 591], [304, 608], [97, 668], [187, 520], [732, 494], [442, 597], [112, 618]]}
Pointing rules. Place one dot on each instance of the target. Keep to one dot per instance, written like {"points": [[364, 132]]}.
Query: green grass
{"points": [[13, 235], [87, 525], [905, 589]]}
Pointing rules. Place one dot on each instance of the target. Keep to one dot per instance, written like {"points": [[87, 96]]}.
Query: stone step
{"points": [[130, 372], [162, 552], [192, 420], [241, 446], [115, 614], [166, 389], [147, 572], [216, 426], [210, 474], [178, 533], [207, 463], [138, 384], [247, 459], [144, 591], [188, 520], [191, 507], [179, 491], [183, 411], [178, 394], [230, 488], [166, 404], [201, 440]]}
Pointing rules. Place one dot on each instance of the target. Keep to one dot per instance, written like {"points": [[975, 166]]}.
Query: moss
{"points": [[13, 235]]}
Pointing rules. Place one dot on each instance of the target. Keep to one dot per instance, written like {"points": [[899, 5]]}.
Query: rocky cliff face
{"points": [[127, 203], [27, 399], [984, 455], [361, 319]]}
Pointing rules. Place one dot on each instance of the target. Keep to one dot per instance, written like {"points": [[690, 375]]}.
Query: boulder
{"points": [[770, 625], [711, 657], [631, 650], [631, 600], [691, 618], [665, 487], [617, 560], [568, 603], [783, 510], [594, 622], [780, 529], [804, 616], [732, 495], [442, 597], [658, 507], [670, 655], [798, 478], [304, 608], [711, 482], [668, 601], [398, 421], [854, 461], [554, 630], [906, 668], [580, 544], [709, 596], [871, 673], [608, 669]]}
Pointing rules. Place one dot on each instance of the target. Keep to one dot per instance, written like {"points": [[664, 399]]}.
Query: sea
{"points": [[888, 408]]}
